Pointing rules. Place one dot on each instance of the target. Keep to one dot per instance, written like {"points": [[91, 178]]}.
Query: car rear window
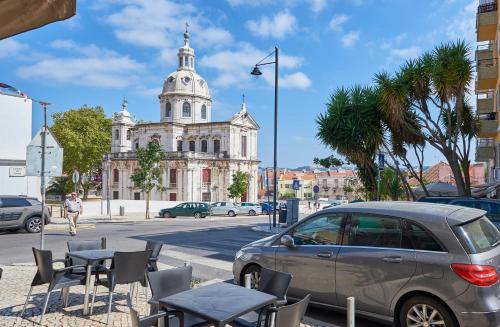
{"points": [[479, 235], [15, 202]]}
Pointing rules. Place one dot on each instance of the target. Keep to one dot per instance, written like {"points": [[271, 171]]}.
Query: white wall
{"points": [[15, 135], [93, 208]]}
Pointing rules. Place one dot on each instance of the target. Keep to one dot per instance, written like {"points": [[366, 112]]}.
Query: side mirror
{"points": [[288, 241]]}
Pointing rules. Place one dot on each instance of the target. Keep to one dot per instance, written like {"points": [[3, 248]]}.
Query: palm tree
{"points": [[425, 102], [352, 126], [60, 186]]}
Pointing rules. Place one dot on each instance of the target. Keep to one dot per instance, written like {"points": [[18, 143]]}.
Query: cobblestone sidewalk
{"points": [[14, 287]]}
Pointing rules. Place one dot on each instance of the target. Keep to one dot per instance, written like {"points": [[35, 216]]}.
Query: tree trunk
{"points": [[457, 172], [147, 205], [465, 168]]}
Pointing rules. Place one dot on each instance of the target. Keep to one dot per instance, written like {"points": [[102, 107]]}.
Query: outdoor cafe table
{"points": [[218, 303], [92, 257]]}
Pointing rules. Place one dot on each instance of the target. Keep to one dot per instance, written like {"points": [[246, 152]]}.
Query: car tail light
{"points": [[480, 275]]}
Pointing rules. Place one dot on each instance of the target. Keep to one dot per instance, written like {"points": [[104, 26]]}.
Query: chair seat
{"points": [[69, 280]]}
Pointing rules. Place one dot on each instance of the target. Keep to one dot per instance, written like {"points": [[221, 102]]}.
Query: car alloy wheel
{"points": [[265, 212], [167, 215], [254, 272], [197, 215], [34, 225], [424, 315], [251, 212], [231, 213]]}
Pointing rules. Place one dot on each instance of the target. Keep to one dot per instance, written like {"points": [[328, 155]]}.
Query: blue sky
{"points": [[125, 48]]}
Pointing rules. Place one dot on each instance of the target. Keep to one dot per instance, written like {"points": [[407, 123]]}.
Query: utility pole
{"points": [[42, 172]]}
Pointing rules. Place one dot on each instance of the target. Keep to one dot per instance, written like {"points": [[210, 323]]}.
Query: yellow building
{"points": [[487, 88]]}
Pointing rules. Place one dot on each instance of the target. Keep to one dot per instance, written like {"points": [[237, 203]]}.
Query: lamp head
{"points": [[256, 71]]}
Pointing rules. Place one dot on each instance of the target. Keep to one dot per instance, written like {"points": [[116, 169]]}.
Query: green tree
{"points": [[433, 90], [148, 175], [352, 126], [60, 186], [287, 195], [85, 135], [390, 185], [239, 185]]}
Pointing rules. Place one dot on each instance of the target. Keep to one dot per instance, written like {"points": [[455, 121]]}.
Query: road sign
{"points": [[75, 177], [295, 184], [381, 161], [53, 156], [316, 189]]}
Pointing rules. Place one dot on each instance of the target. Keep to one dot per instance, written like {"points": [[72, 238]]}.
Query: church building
{"points": [[201, 155]]}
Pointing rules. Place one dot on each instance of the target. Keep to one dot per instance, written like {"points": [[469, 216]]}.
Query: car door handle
{"points": [[393, 259], [325, 254]]}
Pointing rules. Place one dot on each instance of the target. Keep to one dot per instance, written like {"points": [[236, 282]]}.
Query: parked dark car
{"points": [[192, 209], [491, 206], [410, 263], [17, 211]]}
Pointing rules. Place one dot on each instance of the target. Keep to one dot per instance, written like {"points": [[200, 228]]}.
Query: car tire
{"points": [[252, 213], [197, 215], [167, 214], [408, 315], [265, 212], [231, 213], [12, 230], [33, 224], [254, 270]]}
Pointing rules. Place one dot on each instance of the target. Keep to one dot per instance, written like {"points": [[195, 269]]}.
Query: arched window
{"points": [[192, 146], [186, 110], [180, 61], [203, 112], [117, 134], [179, 145], [116, 176], [128, 135], [186, 63], [204, 146], [192, 62], [216, 146], [168, 110]]}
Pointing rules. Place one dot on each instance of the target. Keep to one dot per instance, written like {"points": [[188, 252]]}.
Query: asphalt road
{"points": [[209, 245]]}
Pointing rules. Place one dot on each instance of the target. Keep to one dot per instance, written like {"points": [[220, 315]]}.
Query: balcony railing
{"points": [[176, 155], [485, 95], [487, 46], [485, 143], [487, 6]]}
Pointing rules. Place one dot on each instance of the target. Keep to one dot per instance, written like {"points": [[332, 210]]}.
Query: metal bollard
{"points": [[248, 280], [350, 312]]}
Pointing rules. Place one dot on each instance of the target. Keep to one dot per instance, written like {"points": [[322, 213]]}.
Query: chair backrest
{"points": [[155, 248], [274, 282], [130, 267], [291, 315], [170, 281], [85, 245], [43, 259]]}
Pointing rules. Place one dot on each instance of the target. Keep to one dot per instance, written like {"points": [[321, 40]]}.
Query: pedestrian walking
{"points": [[309, 204], [73, 208]]}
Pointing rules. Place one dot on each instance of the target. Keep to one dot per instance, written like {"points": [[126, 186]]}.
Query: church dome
{"points": [[186, 82]]}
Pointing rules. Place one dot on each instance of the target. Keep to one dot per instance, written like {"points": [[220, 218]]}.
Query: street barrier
{"points": [[350, 312]]}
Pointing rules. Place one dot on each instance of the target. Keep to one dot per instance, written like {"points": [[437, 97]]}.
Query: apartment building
{"points": [[487, 88]]}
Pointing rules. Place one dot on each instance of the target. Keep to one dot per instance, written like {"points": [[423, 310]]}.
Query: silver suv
{"points": [[18, 212], [415, 264], [224, 208]]}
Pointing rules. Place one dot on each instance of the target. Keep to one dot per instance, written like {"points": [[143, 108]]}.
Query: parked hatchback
{"points": [[415, 264], [224, 208], [18, 212], [250, 208], [491, 206], [192, 209]]}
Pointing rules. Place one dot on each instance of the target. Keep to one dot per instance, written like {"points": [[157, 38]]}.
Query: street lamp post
{"points": [[108, 185], [42, 172], [257, 72]]}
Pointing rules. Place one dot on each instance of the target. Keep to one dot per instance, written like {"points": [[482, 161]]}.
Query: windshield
{"points": [[480, 235]]}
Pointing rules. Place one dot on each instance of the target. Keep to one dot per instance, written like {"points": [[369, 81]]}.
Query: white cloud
{"points": [[463, 25], [337, 22], [297, 80], [282, 24], [234, 66], [10, 47], [159, 24], [350, 38], [87, 65], [317, 5], [406, 53]]}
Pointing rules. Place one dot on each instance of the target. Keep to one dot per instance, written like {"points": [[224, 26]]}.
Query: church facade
{"points": [[201, 155]]}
